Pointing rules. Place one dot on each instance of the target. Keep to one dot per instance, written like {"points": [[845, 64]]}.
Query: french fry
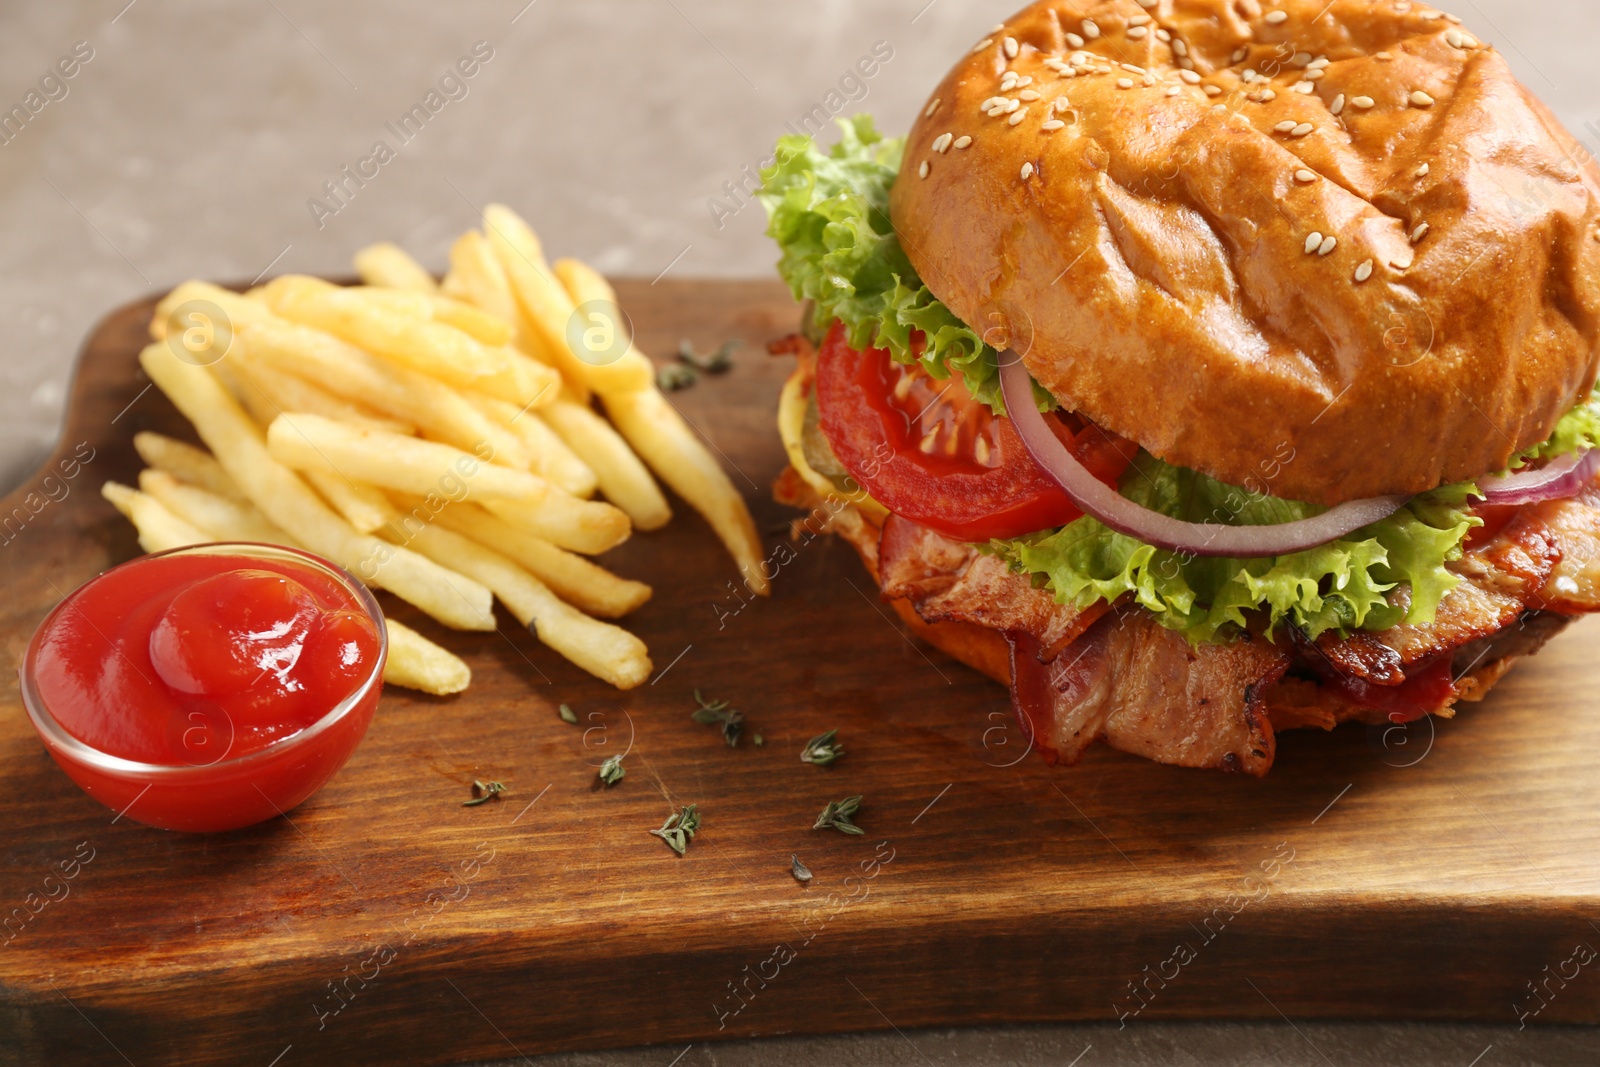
{"points": [[159, 529], [238, 310], [441, 413], [219, 518], [608, 652], [433, 348], [417, 663], [550, 313], [586, 586], [624, 480], [283, 391], [551, 458], [308, 442], [186, 463], [389, 265], [477, 277], [587, 287], [476, 323], [654, 427], [362, 506], [453, 599]]}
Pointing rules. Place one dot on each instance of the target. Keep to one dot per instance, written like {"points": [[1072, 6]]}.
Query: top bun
{"points": [[1325, 251]]}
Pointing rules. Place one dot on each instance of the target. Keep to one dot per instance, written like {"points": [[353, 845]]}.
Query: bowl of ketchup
{"points": [[207, 688]]}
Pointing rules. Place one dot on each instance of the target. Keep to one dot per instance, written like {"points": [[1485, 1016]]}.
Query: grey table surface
{"points": [[194, 136]]}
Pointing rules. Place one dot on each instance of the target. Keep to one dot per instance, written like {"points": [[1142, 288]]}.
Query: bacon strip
{"points": [[1114, 674]]}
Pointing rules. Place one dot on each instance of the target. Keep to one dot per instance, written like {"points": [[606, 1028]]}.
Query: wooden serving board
{"points": [[1428, 874]]}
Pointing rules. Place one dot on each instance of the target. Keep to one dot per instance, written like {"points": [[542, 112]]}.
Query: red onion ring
{"points": [[1556, 480], [1192, 538]]}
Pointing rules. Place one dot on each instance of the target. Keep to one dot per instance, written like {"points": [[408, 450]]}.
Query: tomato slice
{"points": [[929, 452]]}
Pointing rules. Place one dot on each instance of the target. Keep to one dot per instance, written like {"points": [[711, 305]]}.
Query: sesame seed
{"points": [[1420, 232], [1277, 18], [1012, 105], [1268, 95], [1139, 20], [1213, 90], [1009, 82], [981, 45], [1320, 63], [1124, 83], [1052, 125], [1304, 176], [1286, 126], [1132, 68], [1062, 104], [1027, 171], [1248, 75], [1074, 40], [1240, 54], [1091, 29], [993, 101], [1313, 242], [1338, 104], [1315, 73], [1012, 48], [1422, 171], [1186, 63], [1189, 76], [1431, 15], [1028, 94], [1148, 3], [1300, 59], [1452, 18], [1179, 47], [1301, 130], [1136, 32], [1421, 99], [963, 142], [1163, 35], [1364, 271], [1363, 102], [1175, 90], [1382, 57], [1026, 79], [1327, 246], [942, 143], [922, 171], [1017, 117], [928, 114]]}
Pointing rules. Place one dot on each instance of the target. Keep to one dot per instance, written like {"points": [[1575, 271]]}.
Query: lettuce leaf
{"points": [[829, 213], [1343, 586], [1578, 429]]}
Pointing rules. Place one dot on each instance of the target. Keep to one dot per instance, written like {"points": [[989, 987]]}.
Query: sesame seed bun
{"points": [[1322, 251]]}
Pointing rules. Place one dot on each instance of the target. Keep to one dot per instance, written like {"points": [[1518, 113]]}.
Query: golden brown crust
{"points": [[1153, 264]]}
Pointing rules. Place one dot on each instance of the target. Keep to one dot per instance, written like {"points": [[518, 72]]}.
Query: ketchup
{"points": [[207, 688]]}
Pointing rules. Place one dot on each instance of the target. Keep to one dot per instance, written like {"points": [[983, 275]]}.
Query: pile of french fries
{"points": [[439, 441]]}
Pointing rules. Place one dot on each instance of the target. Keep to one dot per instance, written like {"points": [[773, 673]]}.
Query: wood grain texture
{"points": [[1435, 872]]}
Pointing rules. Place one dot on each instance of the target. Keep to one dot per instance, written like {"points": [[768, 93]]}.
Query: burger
{"points": [[1203, 369]]}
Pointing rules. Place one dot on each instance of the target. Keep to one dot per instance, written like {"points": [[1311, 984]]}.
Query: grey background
{"points": [[189, 145]]}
